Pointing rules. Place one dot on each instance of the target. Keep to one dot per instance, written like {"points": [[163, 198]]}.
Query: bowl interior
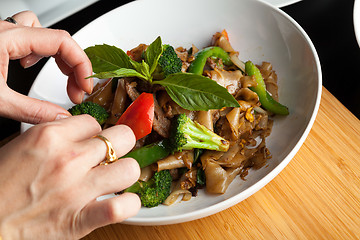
{"points": [[258, 31]]}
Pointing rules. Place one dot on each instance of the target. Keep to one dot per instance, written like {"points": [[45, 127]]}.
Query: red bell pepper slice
{"points": [[139, 115]]}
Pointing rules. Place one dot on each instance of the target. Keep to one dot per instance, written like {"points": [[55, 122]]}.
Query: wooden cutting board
{"points": [[317, 196]]}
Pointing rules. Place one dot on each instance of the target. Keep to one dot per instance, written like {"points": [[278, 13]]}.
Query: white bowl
{"points": [[356, 19], [259, 31]]}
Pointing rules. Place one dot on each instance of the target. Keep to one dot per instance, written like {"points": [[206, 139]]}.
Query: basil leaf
{"points": [[142, 68], [196, 92], [153, 53], [105, 58], [109, 61], [122, 72]]}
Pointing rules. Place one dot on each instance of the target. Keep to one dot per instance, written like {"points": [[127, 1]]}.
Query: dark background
{"points": [[329, 24]]}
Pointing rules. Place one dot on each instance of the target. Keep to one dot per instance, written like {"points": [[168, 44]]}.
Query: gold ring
{"points": [[110, 152]]}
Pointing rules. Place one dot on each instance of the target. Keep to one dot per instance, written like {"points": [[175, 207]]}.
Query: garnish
{"points": [[190, 91]]}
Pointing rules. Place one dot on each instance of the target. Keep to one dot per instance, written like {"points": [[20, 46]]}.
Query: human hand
{"points": [[29, 42], [50, 178]]}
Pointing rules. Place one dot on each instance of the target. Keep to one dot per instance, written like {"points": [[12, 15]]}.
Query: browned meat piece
{"points": [[169, 107], [131, 89], [136, 53], [161, 124]]}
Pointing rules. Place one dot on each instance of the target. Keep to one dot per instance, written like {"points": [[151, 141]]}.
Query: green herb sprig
{"points": [[191, 91]]}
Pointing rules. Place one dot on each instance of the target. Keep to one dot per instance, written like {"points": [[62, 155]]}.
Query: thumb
{"points": [[30, 110]]}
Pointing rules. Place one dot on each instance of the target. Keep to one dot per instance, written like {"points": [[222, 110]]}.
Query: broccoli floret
{"points": [[187, 134], [93, 109], [155, 191], [169, 61]]}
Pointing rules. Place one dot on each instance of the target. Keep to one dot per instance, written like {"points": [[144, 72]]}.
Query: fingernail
{"points": [[91, 86], [82, 96], [61, 116], [31, 60], [28, 63]]}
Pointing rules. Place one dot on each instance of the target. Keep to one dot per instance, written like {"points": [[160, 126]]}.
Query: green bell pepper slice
{"points": [[197, 66], [150, 154], [265, 98]]}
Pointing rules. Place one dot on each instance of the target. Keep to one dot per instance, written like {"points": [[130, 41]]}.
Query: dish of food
{"points": [[200, 116], [270, 37]]}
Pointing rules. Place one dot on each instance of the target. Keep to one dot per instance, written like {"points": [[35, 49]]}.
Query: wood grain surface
{"points": [[317, 196]]}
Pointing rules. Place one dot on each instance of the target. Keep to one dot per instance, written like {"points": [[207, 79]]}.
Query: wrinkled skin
{"points": [[50, 176]]}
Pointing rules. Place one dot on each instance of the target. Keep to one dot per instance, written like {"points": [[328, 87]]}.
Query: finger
{"points": [[30, 110], [27, 18], [81, 127], [113, 210], [81, 82], [21, 42], [121, 137], [117, 176], [75, 93], [76, 129]]}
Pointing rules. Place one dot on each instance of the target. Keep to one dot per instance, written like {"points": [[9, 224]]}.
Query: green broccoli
{"points": [[155, 191], [186, 135], [93, 109], [169, 62]]}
